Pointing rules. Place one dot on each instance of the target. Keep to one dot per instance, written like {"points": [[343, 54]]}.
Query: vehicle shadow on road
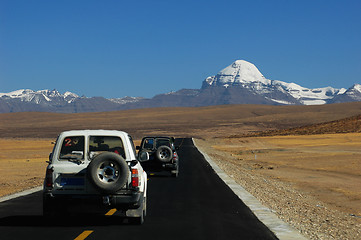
{"points": [[63, 221], [159, 174]]}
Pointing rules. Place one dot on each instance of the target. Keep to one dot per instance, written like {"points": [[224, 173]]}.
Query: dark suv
{"points": [[162, 154]]}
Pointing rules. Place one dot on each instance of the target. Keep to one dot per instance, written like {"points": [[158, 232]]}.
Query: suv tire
{"points": [[164, 154], [108, 172], [139, 220]]}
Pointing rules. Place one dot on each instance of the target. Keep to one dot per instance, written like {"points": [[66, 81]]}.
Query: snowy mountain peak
{"points": [[307, 96], [126, 100], [246, 75], [70, 94], [354, 92], [238, 73], [39, 97], [355, 87]]}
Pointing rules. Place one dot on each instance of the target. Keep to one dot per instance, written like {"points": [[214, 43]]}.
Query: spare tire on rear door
{"points": [[108, 172], [164, 154]]}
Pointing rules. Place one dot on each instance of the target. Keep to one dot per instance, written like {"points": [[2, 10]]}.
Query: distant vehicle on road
{"points": [[162, 155], [95, 170]]}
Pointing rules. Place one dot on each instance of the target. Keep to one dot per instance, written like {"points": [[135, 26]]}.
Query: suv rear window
{"points": [[99, 144], [163, 142], [72, 148]]}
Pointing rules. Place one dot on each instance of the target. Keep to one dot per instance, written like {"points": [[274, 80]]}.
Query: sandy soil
{"points": [[312, 182]]}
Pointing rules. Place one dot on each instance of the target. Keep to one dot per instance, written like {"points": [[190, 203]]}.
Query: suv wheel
{"points": [[164, 154], [139, 220], [174, 173], [108, 172]]}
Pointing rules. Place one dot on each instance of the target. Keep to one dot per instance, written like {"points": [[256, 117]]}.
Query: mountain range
{"points": [[239, 83]]}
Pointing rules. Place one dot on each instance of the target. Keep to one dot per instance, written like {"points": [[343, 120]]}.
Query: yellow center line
{"points": [[86, 233], [111, 212], [83, 235]]}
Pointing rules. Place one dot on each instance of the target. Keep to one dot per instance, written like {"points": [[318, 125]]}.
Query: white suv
{"points": [[95, 170]]}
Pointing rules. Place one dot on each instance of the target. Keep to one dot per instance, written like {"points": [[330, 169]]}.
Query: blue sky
{"points": [[143, 48]]}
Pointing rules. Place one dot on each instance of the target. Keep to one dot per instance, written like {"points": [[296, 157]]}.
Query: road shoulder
{"points": [[20, 194], [281, 229]]}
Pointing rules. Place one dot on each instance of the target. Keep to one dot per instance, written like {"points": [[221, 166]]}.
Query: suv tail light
{"points": [[135, 178], [175, 156], [49, 177]]}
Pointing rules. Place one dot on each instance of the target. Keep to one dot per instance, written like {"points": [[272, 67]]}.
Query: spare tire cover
{"points": [[108, 172], [164, 154]]}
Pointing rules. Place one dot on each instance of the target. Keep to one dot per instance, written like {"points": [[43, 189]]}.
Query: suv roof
{"points": [[94, 132], [158, 137]]}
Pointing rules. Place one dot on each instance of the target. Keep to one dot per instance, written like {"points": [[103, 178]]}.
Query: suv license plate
{"points": [[71, 181]]}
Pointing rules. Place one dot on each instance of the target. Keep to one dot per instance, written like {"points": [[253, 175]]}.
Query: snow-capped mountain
{"points": [[239, 83], [246, 75], [48, 97], [126, 100], [307, 96], [40, 97], [53, 101], [239, 72], [353, 94]]}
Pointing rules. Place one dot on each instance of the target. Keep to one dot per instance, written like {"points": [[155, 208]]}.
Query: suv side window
{"points": [[72, 148], [148, 143], [99, 144]]}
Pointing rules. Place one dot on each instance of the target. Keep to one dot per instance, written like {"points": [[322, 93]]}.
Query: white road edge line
{"points": [[20, 194], [281, 229]]}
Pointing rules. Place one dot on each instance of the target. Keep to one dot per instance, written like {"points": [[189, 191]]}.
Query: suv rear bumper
{"points": [[153, 165], [127, 201], [93, 203], [170, 166]]}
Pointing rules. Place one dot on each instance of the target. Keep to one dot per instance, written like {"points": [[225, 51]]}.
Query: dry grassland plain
{"points": [[326, 166], [199, 122], [22, 163]]}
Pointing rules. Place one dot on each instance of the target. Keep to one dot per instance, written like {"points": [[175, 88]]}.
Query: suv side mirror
{"points": [[143, 156]]}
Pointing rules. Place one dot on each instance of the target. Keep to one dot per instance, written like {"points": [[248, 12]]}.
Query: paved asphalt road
{"points": [[196, 205]]}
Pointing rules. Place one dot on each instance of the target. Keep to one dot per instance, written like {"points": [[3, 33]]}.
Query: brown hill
{"points": [[201, 122], [346, 125]]}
